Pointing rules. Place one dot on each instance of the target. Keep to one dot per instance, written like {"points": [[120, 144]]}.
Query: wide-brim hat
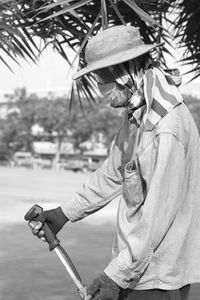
{"points": [[112, 46]]}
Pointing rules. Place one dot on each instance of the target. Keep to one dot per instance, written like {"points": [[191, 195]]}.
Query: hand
{"points": [[103, 288], [55, 219]]}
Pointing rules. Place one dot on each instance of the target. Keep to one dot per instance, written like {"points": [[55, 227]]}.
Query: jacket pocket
{"points": [[132, 185]]}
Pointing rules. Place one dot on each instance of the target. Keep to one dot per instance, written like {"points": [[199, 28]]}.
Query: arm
{"points": [[102, 186], [157, 213]]}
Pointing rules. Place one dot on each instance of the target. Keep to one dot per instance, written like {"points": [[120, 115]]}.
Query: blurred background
{"points": [[54, 133]]}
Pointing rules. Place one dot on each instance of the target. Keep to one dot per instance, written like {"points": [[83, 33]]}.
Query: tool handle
{"points": [[50, 236]]}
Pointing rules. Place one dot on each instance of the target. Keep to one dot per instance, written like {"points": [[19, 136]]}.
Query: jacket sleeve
{"points": [[102, 186], [156, 214]]}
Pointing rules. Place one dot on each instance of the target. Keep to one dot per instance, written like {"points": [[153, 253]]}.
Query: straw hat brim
{"points": [[116, 59]]}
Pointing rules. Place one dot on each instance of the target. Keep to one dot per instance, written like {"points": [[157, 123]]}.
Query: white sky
{"points": [[50, 73]]}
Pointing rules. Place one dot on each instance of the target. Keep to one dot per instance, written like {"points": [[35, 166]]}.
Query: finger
{"points": [[34, 231], [43, 239], [32, 224], [35, 225], [41, 234]]}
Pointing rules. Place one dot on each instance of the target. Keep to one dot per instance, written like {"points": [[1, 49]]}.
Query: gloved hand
{"points": [[55, 219], [103, 288]]}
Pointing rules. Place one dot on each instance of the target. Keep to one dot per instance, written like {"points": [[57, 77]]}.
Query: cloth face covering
{"points": [[126, 83], [137, 89]]}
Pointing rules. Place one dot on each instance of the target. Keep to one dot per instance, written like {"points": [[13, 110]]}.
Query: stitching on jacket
{"points": [[164, 131], [172, 132], [114, 194], [142, 149]]}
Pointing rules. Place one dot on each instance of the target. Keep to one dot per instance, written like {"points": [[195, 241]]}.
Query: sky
{"points": [[50, 74]]}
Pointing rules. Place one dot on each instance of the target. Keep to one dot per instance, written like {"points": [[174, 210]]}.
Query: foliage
{"points": [[28, 27], [187, 26], [53, 115], [100, 119], [16, 129], [16, 41], [24, 111]]}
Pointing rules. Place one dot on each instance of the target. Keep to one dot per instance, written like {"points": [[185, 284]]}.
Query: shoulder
{"points": [[174, 123], [178, 122], [170, 122]]}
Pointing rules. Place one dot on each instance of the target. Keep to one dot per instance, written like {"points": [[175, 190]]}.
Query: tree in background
{"points": [[100, 119], [59, 124], [56, 120], [16, 127], [54, 117]]}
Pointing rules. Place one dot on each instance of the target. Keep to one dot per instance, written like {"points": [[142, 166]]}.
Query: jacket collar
{"points": [[159, 96]]}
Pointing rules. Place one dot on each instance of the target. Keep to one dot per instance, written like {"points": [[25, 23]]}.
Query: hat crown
{"points": [[112, 41], [113, 46]]}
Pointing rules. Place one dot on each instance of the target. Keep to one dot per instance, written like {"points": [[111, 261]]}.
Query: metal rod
{"points": [[66, 256], [68, 267]]}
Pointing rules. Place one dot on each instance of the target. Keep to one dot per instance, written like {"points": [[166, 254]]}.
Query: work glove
{"points": [[103, 288], [55, 218]]}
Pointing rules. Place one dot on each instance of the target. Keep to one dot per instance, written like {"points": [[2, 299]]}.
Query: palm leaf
{"points": [[86, 37], [187, 33], [104, 19], [117, 12], [14, 39], [67, 9], [54, 4], [70, 23], [5, 1], [144, 16]]}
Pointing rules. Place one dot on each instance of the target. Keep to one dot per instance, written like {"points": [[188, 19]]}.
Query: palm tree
{"points": [[28, 27]]}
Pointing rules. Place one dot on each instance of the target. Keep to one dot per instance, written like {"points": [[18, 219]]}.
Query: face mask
{"points": [[124, 85], [115, 93]]}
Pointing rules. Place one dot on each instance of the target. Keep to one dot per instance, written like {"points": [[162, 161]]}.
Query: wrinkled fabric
{"points": [[156, 294], [157, 241], [161, 96]]}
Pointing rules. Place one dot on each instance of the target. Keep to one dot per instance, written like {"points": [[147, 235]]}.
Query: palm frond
{"points": [[70, 23], [143, 15], [104, 17], [187, 33], [14, 38], [66, 9]]}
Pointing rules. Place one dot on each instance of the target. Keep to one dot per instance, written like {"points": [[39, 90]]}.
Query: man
{"points": [[154, 166]]}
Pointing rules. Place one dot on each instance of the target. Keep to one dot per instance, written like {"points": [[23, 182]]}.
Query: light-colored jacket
{"points": [[158, 224]]}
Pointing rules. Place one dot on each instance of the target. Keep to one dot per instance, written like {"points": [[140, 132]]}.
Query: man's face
{"points": [[121, 91], [110, 74]]}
